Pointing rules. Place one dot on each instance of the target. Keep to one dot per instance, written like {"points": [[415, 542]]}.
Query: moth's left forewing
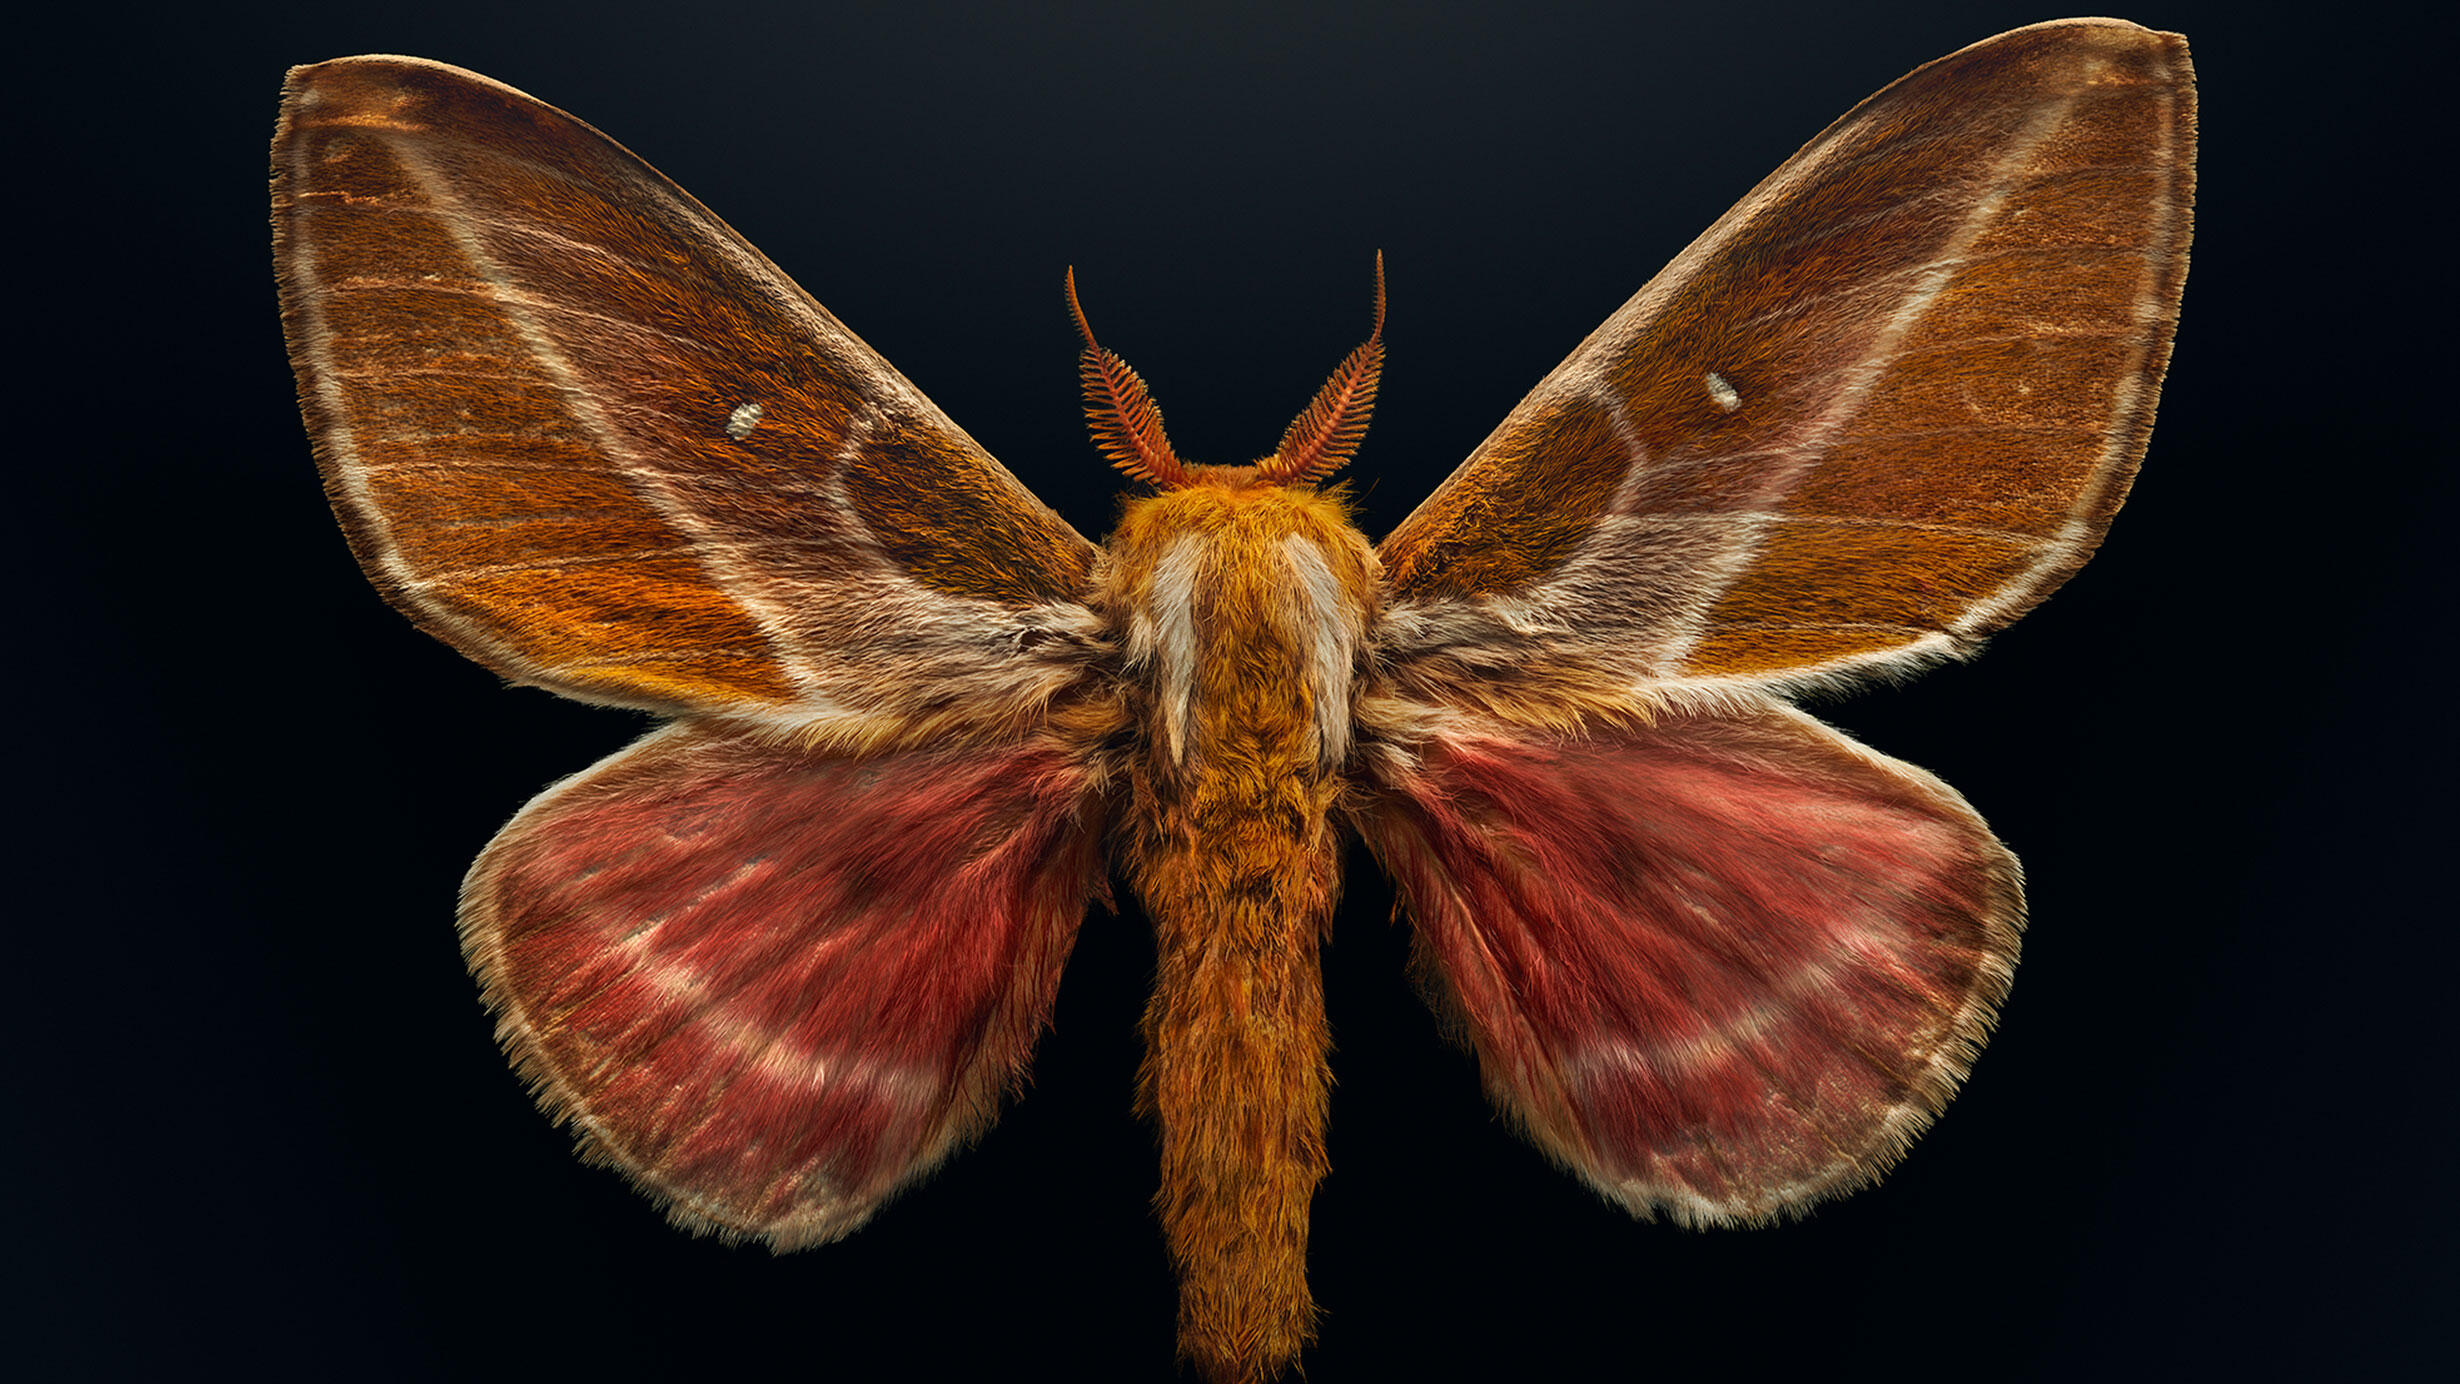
{"points": [[1880, 409], [576, 427]]}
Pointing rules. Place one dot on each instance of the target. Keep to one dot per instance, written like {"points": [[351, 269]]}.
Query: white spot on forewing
{"points": [[1727, 397], [739, 424], [1325, 633], [1172, 603], [522, 310], [1845, 395]]}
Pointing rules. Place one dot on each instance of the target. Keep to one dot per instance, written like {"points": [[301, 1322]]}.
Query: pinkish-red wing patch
{"points": [[773, 987], [1720, 966]]}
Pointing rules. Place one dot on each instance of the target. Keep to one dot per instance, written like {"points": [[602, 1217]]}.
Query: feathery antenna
{"points": [[1126, 423], [1324, 435]]}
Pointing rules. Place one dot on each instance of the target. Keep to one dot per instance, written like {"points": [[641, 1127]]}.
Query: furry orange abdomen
{"points": [[1244, 607]]}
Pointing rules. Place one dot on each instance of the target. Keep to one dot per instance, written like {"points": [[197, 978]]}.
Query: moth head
{"points": [[1127, 424]]}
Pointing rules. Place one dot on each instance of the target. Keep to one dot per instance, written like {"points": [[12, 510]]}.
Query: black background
{"points": [[262, 1121]]}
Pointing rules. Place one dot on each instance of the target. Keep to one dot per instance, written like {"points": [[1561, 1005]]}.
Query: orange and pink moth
{"points": [[776, 959]]}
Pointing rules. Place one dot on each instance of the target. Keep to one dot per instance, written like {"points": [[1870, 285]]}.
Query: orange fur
{"points": [[1237, 860]]}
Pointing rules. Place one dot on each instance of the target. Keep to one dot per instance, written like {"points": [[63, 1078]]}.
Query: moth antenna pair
{"points": [[1127, 424]]}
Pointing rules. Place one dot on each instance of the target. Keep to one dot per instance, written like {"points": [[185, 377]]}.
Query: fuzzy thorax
{"points": [[1244, 608]]}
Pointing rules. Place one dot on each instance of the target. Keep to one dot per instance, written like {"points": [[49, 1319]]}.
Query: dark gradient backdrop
{"points": [[262, 1128]]}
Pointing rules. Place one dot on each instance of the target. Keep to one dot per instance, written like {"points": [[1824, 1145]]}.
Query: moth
{"points": [[776, 959]]}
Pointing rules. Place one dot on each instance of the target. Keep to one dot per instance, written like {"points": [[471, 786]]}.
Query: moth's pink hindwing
{"points": [[773, 987], [1718, 966]]}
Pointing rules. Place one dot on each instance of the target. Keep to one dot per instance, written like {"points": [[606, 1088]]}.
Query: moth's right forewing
{"points": [[579, 429], [1881, 408]]}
